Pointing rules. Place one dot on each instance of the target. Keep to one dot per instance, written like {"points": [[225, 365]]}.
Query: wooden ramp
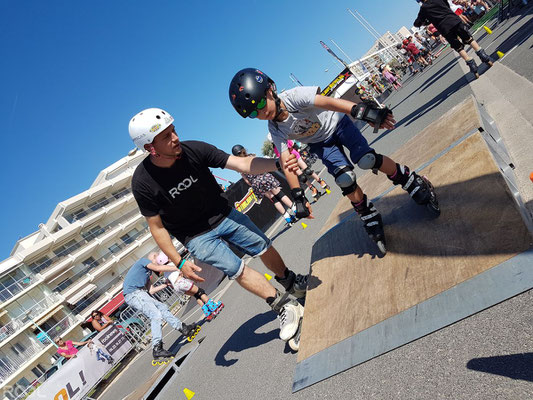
{"points": [[437, 270]]}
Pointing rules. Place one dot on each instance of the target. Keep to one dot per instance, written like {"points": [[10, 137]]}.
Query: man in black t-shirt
{"points": [[449, 25], [178, 195]]}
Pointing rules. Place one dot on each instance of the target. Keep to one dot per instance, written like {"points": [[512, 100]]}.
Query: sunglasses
{"points": [[262, 103]]}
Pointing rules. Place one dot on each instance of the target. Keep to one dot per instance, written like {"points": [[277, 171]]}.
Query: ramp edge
{"points": [[491, 287]]}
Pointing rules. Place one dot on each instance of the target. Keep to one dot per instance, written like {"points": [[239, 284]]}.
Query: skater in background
{"points": [[304, 173], [439, 13], [266, 185], [387, 74], [183, 285], [137, 290], [303, 114]]}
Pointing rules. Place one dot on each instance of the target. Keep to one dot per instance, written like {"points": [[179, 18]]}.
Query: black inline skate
{"points": [[484, 57], [160, 355], [419, 188], [295, 284], [473, 67], [190, 331], [372, 222]]}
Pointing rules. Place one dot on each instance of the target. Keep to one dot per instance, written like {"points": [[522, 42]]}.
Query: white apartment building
{"points": [[73, 264]]}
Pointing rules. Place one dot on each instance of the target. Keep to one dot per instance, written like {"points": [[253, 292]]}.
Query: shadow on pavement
{"points": [[516, 39], [245, 337], [514, 366]]}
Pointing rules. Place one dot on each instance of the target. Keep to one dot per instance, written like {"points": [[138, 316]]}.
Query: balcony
{"points": [[72, 246], [27, 315], [9, 291], [83, 212], [87, 301], [12, 363]]}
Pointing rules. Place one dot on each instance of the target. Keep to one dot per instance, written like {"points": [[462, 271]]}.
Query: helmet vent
{"points": [[162, 112], [158, 117], [247, 95]]}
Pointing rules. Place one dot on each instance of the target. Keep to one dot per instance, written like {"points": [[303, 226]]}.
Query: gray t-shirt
{"points": [[306, 123]]}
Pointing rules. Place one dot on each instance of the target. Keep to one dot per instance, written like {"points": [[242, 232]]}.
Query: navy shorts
{"points": [[332, 151]]}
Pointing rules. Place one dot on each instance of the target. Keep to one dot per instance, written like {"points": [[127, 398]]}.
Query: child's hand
{"points": [[292, 162]]}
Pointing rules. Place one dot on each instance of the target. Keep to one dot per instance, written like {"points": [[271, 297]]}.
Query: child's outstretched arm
{"points": [[367, 111]]}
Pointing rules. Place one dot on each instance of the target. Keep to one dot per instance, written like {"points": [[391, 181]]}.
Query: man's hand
{"points": [[189, 270]]}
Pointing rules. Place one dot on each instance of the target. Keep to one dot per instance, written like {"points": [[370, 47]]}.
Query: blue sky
{"points": [[73, 73]]}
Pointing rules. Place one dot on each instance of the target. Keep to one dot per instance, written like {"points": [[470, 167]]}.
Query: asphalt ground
{"points": [[488, 355]]}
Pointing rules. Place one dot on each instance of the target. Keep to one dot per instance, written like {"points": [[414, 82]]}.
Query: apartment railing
{"points": [[80, 214], [28, 314], [10, 363], [77, 244], [11, 290], [94, 296]]}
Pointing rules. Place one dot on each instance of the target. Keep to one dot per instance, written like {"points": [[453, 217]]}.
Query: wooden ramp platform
{"points": [[437, 270]]}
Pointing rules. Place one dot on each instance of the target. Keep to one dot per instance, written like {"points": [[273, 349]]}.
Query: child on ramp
{"points": [[183, 285], [303, 114]]}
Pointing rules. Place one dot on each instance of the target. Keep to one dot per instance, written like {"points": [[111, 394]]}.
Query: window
{"points": [[63, 285], [18, 348], [38, 370], [114, 248], [98, 204], [130, 236], [90, 263], [76, 215], [93, 232], [120, 193], [39, 265], [66, 248]]}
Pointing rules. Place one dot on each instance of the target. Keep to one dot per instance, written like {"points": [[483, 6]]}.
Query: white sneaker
{"points": [[289, 320]]}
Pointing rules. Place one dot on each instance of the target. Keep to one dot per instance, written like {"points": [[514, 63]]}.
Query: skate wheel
{"points": [[190, 338], [490, 63], [433, 207], [477, 75], [294, 344], [381, 247], [154, 363]]}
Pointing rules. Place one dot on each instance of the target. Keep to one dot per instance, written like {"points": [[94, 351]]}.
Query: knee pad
{"points": [[370, 160], [278, 196], [199, 293], [308, 171], [345, 178], [302, 178]]}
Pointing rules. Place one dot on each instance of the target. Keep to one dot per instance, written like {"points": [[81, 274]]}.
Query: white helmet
{"points": [[161, 258], [269, 137], [147, 124]]}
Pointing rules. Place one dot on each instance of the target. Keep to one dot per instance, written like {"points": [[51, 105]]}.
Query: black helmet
{"points": [[247, 89], [236, 150]]}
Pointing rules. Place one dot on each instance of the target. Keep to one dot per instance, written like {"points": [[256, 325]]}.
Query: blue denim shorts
{"points": [[237, 229], [332, 152]]}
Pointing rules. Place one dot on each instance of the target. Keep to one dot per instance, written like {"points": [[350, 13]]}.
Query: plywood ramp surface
{"points": [[459, 121], [351, 288]]}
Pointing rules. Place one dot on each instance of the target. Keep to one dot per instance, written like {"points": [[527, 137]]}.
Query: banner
{"points": [[81, 373], [335, 83]]}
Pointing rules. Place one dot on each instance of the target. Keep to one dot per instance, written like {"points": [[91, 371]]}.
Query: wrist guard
{"points": [[299, 201], [369, 111]]}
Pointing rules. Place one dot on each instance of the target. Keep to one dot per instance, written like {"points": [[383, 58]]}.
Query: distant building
{"points": [[73, 264]]}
